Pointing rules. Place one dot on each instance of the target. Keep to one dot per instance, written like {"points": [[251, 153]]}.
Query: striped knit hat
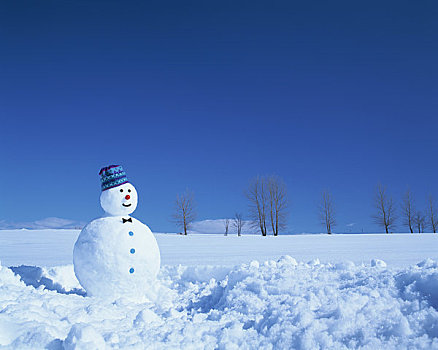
{"points": [[112, 176]]}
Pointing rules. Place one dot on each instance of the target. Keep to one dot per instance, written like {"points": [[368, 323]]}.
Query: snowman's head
{"points": [[120, 200]]}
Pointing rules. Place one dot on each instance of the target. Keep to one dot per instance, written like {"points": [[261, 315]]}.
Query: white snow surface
{"points": [[216, 292], [55, 247]]}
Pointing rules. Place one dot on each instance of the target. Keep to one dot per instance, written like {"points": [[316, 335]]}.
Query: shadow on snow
{"points": [[33, 276]]}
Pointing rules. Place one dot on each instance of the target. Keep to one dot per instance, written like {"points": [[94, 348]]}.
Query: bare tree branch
{"points": [[433, 218], [184, 213], [326, 211], [385, 216], [238, 223], [408, 210]]}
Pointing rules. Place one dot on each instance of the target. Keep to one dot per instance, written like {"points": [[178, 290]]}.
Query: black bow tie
{"points": [[126, 220]]}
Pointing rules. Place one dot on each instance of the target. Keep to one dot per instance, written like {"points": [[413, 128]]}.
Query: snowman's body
{"points": [[115, 258], [116, 255]]}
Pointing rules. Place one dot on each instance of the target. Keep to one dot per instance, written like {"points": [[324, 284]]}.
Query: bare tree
{"points": [[277, 199], [433, 218], [238, 223], [226, 224], [184, 210], [327, 211], [258, 203], [408, 210], [419, 221], [385, 216]]}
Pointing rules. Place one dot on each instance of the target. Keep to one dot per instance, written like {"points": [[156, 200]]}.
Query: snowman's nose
{"points": [[127, 196]]}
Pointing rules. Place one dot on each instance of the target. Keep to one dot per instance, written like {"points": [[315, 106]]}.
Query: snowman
{"points": [[116, 255]]}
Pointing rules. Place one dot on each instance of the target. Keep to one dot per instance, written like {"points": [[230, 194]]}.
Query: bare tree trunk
{"points": [[408, 210], [263, 202], [326, 212], [257, 197], [184, 213], [433, 218], [238, 223], [419, 221], [384, 204], [277, 203], [227, 224]]}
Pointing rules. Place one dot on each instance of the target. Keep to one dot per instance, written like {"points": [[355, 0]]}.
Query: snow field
{"points": [[276, 304], [55, 247]]}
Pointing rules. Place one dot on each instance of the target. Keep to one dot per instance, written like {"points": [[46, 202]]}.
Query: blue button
{"points": [[131, 270], [131, 233], [132, 250]]}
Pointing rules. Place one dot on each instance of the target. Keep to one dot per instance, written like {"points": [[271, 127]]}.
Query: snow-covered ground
{"points": [[250, 292]]}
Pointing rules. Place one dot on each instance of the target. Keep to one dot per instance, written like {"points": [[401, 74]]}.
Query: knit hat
{"points": [[112, 176]]}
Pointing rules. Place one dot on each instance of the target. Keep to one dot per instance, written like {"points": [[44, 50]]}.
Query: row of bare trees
{"points": [[185, 214], [267, 200], [413, 219], [385, 214], [268, 204]]}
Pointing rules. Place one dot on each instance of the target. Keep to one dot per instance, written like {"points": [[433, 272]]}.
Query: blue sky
{"points": [[206, 95]]}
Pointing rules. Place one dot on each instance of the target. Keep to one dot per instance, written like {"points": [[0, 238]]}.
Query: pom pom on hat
{"points": [[112, 176]]}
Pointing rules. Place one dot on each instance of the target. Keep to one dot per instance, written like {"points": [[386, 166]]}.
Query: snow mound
{"points": [[378, 263], [276, 304], [83, 337]]}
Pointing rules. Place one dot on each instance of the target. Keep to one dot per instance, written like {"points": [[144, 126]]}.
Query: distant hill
{"points": [[47, 223], [218, 226]]}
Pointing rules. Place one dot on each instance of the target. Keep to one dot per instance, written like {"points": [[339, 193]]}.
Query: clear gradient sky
{"points": [[208, 94]]}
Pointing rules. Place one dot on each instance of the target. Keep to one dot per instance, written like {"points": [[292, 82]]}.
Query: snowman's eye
{"points": [[121, 190], [129, 190]]}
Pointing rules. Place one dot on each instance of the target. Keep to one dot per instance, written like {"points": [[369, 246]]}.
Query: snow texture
{"points": [[336, 292], [281, 304]]}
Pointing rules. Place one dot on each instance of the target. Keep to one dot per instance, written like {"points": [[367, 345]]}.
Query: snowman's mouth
{"points": [[126, 205]]}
